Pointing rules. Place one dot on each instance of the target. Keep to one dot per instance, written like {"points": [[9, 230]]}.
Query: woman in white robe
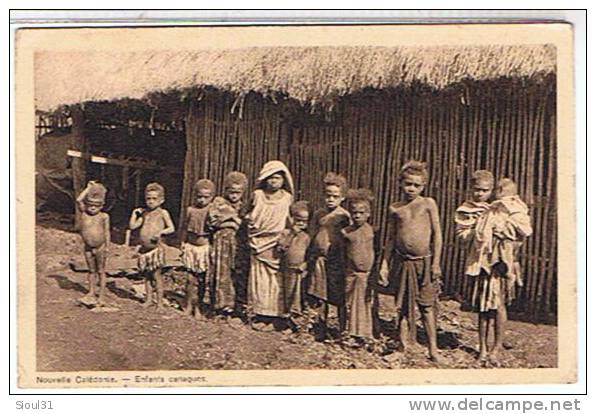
{"points": [[267, 219]]}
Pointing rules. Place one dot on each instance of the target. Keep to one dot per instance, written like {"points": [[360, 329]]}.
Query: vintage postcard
{"points": [[295, 205]]}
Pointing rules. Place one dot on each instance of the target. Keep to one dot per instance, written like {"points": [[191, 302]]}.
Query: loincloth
{"points": [[411, 282], [326, 279], [359, 304], [152, 260], [196, 258], [492, 291]]}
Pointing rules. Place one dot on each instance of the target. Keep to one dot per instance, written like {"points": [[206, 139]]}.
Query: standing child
{"points": [[292, 246], [154, 222], [326, 253], [224, 221], [415, 255], [267, 219], [500, 233], [194, 237], [466, 220], [360, 258], [94, 227]]}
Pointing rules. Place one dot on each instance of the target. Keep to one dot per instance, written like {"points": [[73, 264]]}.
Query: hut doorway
{"points": [[123, 156]]}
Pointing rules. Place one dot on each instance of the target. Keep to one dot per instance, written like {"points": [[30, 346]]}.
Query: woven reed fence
{"points": [[505, 126]]}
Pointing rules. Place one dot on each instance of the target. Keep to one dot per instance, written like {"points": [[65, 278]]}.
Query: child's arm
{"points": [[169, 229], [464, 226], [437, 237], [106, 229], [136, 219], [386, 253], [378, 255], [183, 229], [81, 197], [283, 242], [251, 204], [304, 243], [519, 225]]}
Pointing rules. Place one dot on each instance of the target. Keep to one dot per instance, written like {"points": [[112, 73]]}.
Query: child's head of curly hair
{"points": [[506, 187], [483, 176], [299, 207], [359, 196], [414, 167], [338, 180], [157, 188], [96, 194], [204, 184], [235, 178]]}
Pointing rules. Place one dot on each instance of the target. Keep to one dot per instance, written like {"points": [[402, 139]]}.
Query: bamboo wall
{"points": [[506, 127]]}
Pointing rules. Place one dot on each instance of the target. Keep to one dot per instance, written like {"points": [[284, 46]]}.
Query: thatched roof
{"points": [[309, 74]]}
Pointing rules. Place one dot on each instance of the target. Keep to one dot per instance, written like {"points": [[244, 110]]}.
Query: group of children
{"points": [[258, 259]]}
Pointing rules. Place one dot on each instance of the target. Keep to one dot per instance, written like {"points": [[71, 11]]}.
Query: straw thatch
{"points": [[311, 75]]}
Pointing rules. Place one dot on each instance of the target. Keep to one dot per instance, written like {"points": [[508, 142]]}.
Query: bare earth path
{"points": [[73, 338]]}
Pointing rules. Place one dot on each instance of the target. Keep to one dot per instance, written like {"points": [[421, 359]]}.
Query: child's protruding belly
{"points": [[321, 241], [149, 236], [414, 242], [92, 231], [93, 235]]}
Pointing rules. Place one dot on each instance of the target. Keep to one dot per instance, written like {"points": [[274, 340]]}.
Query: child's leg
{"points": [[407, 328], [191, 293], [210, 285], [500, 322], [296, 303], [289, 292], [148, 289], [375, 314], [322, 309], [325, 314], [202, 290], [483, 326], [158, 287], [428, 318], [91, 276], [100, 258], [400, 332], [319, 307], [342, 315]]}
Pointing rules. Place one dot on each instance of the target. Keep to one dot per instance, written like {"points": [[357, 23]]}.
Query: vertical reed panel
{"points": [[508, 128]]}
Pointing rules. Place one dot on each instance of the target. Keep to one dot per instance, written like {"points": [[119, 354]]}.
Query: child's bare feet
{"points": [[235, 322], [494, 354], [187, 311], [101, 300], [406, 342], [88, 300], [354, 342], [147, 303], [482, 353], [435, 356], [199, 315], [263, 327]]}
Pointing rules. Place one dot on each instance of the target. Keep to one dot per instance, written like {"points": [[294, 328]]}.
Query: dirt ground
{"points": [[71, 337]]}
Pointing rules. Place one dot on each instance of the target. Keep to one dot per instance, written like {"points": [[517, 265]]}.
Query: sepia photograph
{"points": [[306, 205]]}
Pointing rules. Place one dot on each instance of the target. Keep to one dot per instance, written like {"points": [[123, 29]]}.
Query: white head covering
{"points": [[275, 166]]}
